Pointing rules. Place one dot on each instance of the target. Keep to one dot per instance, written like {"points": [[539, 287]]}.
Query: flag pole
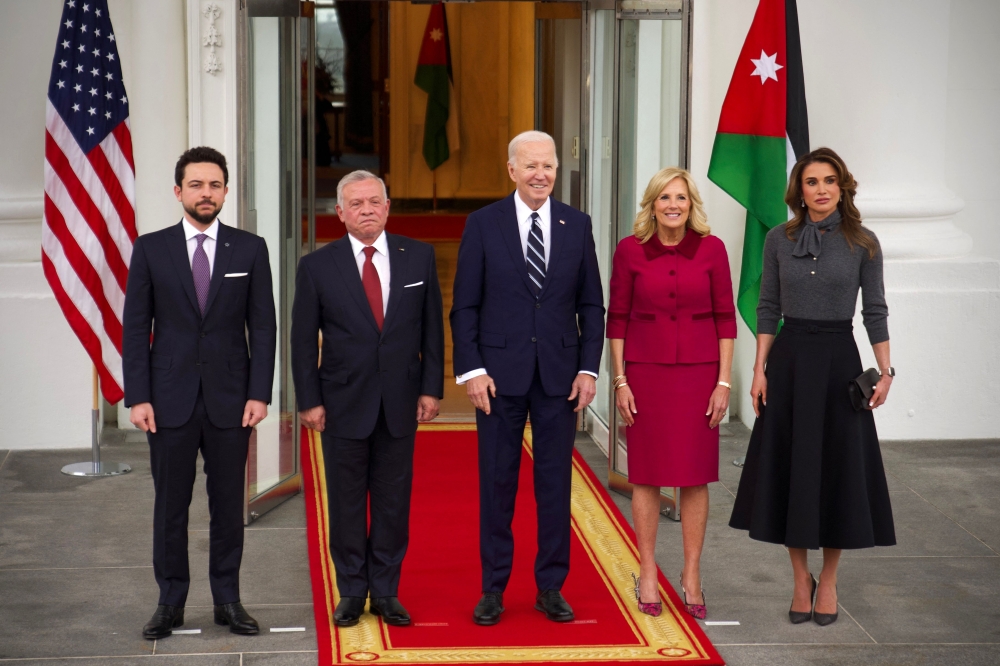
{"points": [[95, 467]]}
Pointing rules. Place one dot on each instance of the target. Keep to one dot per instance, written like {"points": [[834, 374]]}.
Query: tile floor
{"points": [[76, 584]]}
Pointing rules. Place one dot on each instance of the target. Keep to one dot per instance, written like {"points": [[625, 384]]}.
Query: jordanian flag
{"points": [[763, 129], [435, 78]]}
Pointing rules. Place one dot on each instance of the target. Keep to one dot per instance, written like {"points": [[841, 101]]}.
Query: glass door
{"points": [[599, 105], [652, 47], [274, 42]]}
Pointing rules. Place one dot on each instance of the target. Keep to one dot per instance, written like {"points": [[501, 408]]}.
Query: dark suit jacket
{"points": [[671, 304], [229, 352], [363, 369], [496, 321]]}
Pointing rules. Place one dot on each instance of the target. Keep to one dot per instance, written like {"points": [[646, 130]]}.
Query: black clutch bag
{"points": [[862, 387]]}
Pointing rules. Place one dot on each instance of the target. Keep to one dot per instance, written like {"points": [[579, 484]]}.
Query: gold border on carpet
{"points": [[610, 550]]}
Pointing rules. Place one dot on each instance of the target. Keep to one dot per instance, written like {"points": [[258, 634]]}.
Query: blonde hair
{"points": [[645, 224]]}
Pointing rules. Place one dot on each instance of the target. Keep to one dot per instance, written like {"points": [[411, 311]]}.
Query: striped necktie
{"points": [[536, 254]]}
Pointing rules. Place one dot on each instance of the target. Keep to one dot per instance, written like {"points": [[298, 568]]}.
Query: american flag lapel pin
{"points": [[562, 221]]}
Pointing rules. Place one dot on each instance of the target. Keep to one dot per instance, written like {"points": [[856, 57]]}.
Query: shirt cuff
{"points": [[588, 372], [461, 379]]}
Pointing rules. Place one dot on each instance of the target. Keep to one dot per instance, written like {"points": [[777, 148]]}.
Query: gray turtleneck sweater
{"points": [[824, 287]]}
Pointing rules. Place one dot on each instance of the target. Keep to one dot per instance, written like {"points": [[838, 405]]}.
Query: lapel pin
{"points": [[227, 244], [402, 249], [562, 222]]}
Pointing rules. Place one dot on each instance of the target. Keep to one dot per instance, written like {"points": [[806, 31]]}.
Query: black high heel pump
{"points": [[798, 617]]}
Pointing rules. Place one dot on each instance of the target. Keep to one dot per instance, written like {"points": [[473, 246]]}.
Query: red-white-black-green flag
{"points": [[763, 129], [434, 76]]}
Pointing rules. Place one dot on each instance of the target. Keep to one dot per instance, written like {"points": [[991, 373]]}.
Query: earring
{"points": [[803, 204]]}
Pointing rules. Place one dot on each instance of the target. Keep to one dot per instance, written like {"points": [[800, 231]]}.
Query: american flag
{"points": [[89, 215]]}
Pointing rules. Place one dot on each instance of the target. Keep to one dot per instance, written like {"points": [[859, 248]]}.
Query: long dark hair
{"points": [[850, 218]]}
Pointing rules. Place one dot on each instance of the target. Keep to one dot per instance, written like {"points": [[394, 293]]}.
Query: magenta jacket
{"points": [[671, 304]]}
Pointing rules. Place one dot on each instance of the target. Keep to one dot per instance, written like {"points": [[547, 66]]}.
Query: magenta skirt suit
{"points": [[672, 305]]}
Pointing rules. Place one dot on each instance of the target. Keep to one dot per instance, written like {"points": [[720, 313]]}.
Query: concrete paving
{"points": [[934, 598], [76, 583]]}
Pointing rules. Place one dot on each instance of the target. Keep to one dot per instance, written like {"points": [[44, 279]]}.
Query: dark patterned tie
{"points": [[373, 286], [202, 272], [536, 254]]}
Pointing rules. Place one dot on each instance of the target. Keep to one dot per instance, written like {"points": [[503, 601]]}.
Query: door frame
{"points": [[257, 505], [658, 11]]}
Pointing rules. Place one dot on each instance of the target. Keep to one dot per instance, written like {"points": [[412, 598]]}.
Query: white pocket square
{"points": [[415, 284], [236, 274]]}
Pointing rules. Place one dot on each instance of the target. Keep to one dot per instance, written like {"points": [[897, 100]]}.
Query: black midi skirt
{"points": [[813, 476]]}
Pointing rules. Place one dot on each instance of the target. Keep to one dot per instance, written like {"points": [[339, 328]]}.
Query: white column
{"points": [[156, 80], [212, 71], [877, 83]]}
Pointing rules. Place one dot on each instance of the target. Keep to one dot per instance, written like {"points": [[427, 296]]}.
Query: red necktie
{"points": [[373, 286]]}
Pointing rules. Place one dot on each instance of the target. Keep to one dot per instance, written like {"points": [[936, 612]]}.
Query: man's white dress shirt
{"points": [[524, 222], [380, 259], [208, 244]]}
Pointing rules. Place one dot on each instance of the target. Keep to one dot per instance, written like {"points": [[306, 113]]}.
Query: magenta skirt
{"points": [[670, 443]]}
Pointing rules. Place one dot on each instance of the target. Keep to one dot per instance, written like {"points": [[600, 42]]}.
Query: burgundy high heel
{"points": [[697, 611], [653, 609]]}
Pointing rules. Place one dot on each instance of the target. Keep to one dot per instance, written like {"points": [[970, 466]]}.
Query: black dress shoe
{"points": [[555, 607], [391, 611], [488, 609], [163, 622], [348, 611], [237, 618]]}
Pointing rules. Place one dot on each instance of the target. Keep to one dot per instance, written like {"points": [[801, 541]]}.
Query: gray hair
{"points": [[531, 136], [357, 177]]}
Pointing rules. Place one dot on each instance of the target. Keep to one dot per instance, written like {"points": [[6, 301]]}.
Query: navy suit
{"points": [[198, 373], [369, 383], [533, 348]]}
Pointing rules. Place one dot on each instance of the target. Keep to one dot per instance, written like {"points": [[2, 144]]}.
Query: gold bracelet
{"points": [[727, 385], [621, 385], [617, 378]]}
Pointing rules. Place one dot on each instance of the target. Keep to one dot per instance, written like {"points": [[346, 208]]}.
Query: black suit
{"points": [[198, 373], [533, 347], [369, 383]]}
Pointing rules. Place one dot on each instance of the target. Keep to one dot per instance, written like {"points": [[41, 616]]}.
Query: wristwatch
{"points": [[891, 371]]}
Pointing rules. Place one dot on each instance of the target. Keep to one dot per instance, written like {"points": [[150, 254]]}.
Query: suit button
{"points": [[202, 335], [197, 363], [534, 340], [538, 306], [673, 272], [673, 317]]}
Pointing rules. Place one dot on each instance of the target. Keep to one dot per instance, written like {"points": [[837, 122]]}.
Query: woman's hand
{"points": [[758, 390], [881, 392], [625, 403], [717, 405]]}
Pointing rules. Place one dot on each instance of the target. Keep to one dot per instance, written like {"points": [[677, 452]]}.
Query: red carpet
{"points": [[440, 582], [426, 227]]}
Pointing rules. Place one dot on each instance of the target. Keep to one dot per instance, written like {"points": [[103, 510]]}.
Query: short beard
{"points": [[202, 218]]}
